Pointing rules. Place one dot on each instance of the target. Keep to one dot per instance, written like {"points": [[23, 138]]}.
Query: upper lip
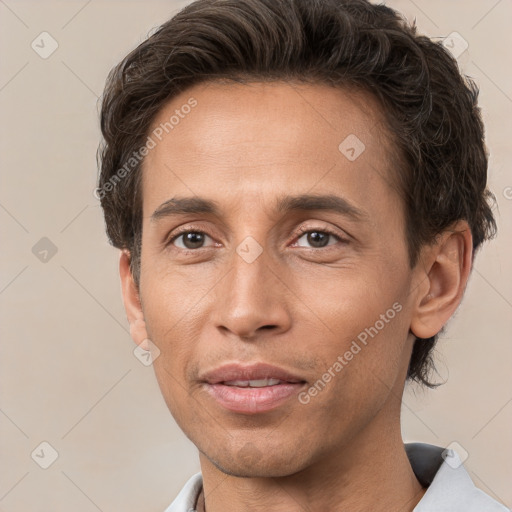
{"points": [[254, 371]]}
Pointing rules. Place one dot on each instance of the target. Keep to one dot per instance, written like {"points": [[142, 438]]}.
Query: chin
{"points": [[252, 461]]}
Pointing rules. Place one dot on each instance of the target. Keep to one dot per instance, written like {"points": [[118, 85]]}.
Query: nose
{"points": [[252, 300]]}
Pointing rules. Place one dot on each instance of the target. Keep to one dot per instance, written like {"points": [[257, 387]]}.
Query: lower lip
{"points": [[253, 400]]}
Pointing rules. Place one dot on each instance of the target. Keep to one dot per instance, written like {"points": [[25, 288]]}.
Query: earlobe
{"points": [[139, 333], [446, 267], [132, 304]]}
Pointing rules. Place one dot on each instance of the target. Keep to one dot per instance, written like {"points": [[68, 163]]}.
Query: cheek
{"points": [[347, 301], [363, 319], [170, 312], [362, 364], [171, 298]]}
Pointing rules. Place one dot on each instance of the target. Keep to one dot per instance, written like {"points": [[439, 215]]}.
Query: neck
{"points": [[371, 472]]}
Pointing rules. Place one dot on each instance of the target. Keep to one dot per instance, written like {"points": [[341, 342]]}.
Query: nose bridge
{"points": [[248, 275], [252, 296]]}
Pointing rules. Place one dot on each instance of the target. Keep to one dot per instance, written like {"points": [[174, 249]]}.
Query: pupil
{"points": [[193, 240], [317, 239]]}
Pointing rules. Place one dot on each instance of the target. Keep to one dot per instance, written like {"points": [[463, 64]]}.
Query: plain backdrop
{"points": [[68, 373]]}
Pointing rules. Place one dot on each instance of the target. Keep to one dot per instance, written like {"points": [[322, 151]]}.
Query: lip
{"points": [[249, 400], [254, 371]]}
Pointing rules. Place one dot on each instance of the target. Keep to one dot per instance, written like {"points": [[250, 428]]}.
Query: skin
{"points": [[298, 305]]}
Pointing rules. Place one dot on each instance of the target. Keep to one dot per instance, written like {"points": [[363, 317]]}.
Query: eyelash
{"points": [[184, 231], [303, 230], [298, 234]]}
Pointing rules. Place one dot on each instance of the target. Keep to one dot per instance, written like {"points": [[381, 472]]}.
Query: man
{"points": [[298, 189]]}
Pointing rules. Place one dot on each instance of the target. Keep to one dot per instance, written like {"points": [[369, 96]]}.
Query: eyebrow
{"points": [[285, 204], [329, 202], [185, 205]]}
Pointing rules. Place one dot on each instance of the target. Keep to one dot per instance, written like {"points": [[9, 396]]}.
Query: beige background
{"points": [[68, 374]]}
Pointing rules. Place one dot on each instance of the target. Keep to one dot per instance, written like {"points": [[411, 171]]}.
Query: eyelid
{"points": [[169, 240], [324, 229]]}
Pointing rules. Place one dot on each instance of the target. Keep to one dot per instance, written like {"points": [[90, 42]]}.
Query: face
{"points": [[273, 248]]}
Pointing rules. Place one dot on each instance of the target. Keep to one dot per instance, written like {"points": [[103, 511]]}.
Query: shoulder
{"points": [[450, 488]]}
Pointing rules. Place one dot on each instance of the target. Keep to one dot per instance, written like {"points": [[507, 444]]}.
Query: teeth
{"points": [[260, 383]]}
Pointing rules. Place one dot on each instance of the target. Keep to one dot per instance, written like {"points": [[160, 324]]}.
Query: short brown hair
{"points": [[430, 107]]}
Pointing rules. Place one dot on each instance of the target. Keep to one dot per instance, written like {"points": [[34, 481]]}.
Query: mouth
{"points": [[255, 383], [251, 389]]}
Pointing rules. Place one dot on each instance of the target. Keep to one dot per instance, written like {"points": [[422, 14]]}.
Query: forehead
{"points": [[258, 139]]}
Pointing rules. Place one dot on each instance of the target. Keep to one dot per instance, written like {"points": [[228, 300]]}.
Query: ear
{"points": [[443, 272], [132, 304]]}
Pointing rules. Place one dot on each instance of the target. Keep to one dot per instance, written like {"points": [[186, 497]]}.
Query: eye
{"points": [[190, 240], [317, 239]]}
